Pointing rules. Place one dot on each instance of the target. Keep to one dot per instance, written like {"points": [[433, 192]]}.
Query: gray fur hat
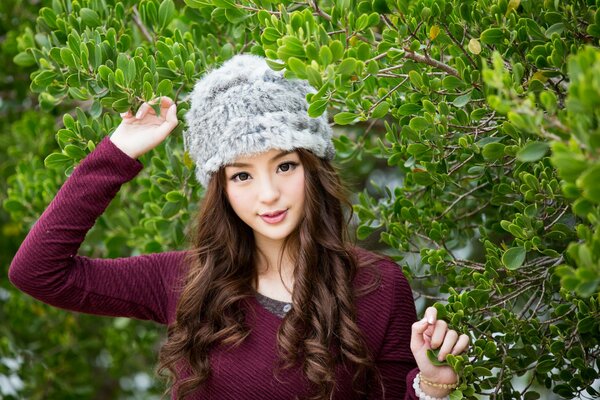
{"points": [[243, 108]]}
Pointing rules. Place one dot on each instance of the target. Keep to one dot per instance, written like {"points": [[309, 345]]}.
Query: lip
{"points": [[274, 217]]}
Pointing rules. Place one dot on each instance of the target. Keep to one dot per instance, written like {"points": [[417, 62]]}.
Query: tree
{"points": [[485, 114]]}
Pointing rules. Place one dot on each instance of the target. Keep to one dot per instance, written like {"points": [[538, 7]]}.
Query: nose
{"points": [[268, 190]]}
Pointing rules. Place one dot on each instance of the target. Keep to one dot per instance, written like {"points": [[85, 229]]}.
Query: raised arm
{"points": [[47, 266]]}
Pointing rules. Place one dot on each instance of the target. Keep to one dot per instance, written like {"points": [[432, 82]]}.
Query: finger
{"points": [[441, 327], [169, 123], [431, 315], [416, 339], [448, 344], [166, 102], [171, 116], [461, 344], [143, 110], [127, 114]]}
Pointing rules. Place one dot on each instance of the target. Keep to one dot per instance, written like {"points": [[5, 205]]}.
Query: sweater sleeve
{"points": [[395, 362], [47, 267]]}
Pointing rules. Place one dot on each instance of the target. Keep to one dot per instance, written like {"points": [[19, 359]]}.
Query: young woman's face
{"points": [[267, 192]]}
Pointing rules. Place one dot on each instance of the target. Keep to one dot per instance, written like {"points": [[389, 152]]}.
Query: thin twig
{"points": [[460, 46], [457, 167], [564, 210], [138, 21], [430, 61], [320, 12], [387, 95], [462, 196]]}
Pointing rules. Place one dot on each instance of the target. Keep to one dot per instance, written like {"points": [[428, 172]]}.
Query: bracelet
{"points": [[438, 385], [419, 392]]}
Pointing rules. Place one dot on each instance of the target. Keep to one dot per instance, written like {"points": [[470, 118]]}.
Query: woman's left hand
{"points": [[432, 333]]}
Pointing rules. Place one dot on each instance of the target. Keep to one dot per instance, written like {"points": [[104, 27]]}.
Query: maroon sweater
{"points": [[48, 268]]}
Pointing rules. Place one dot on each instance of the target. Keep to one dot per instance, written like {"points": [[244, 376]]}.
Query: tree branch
{"points": [[430, 61], [138, 21]]}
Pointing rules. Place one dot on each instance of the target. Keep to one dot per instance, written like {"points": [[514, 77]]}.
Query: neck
{"points": [[275, 272]]}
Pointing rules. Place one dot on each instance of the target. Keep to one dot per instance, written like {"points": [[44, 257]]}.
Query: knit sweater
{"points": [[47, 267]]}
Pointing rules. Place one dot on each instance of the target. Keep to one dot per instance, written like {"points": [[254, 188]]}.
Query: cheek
{"points": [[298, 188], [236, 199]]}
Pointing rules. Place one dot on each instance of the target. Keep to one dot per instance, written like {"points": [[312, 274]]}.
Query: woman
{"points": [[270, 301]]}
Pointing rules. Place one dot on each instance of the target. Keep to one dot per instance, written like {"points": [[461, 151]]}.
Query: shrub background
{"points": [[470, 128]]}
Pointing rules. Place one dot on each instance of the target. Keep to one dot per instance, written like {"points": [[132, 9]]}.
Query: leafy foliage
{"points": [[483, 117]]}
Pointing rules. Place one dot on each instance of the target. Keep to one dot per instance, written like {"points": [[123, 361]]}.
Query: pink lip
{"points": [[274, 217]]}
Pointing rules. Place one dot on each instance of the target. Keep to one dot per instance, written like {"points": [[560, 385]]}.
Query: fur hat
{"points": [[243, 108]]}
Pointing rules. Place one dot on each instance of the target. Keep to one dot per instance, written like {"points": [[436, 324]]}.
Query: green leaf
{"points": [[314, 76], [170, 209], [416, 149], [533, 151], [336, 49], [557, 28], [456, 395], [224, 3], [347, 67], [325, 56], [589, 182], [121, 105], [344, 118], [415, 78], [594, 29], [462, 101], [14, 206], [189, 69], [482, 371], [96, 109], [78, 94], [74, 152], [531, 395], [419, 123], [166, 12], [68, 58], [493, 151], [514, 257], [492, 36], [451, 82], [24, 59], [317, 107], [104, 72], [409, 109], [297, 67], [433, 357], [270, 35], [381, 110], [165, 88], [175, 196], [364, 231], [57, 160], [89, 17]]}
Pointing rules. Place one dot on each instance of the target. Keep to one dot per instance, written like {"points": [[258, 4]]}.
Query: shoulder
{"points": [[375, 267], [386, 310]]}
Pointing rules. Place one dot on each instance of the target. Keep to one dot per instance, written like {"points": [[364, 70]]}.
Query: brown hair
{"points": [[320, 330]]}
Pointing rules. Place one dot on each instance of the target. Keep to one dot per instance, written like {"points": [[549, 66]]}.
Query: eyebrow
{"points": [[276, 157]]}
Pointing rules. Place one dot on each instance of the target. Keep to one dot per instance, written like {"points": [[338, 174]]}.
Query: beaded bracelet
{"points": [[419, 392], [438, 385]]}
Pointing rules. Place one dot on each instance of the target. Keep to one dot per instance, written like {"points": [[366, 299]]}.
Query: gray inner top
{"points": [[279, 308]]}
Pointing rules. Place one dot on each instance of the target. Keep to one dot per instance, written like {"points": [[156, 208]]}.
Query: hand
{"points": [[433, 333], [136, 135]]}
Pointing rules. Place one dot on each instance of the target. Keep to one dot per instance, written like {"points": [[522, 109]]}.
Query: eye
{"points": [[287, 166], [240, 177]]}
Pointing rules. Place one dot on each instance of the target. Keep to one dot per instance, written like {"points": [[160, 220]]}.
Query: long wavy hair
{"points": [[320, 331]]}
